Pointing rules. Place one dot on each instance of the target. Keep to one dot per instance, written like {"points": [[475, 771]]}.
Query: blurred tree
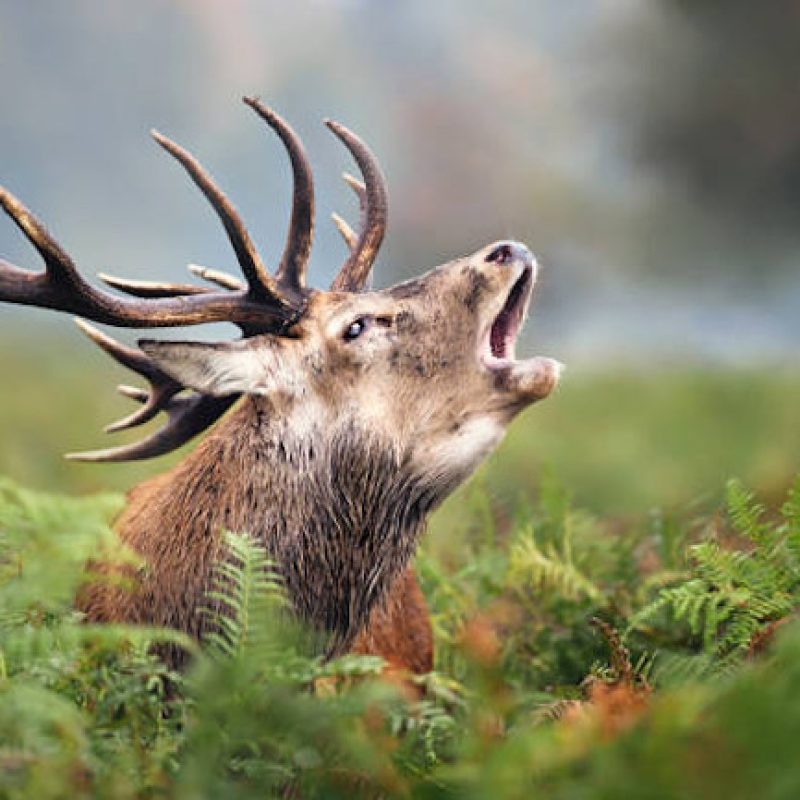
{"points": [[723, 114]]}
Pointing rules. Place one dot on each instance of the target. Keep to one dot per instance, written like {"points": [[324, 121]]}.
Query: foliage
{"points": [[536, 694], [82, 708], [730, 596]]}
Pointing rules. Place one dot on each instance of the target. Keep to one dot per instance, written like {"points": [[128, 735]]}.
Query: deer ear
{"points": [[217, 369]]}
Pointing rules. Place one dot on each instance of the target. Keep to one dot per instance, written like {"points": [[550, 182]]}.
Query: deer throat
{"points": [[364, 513]]}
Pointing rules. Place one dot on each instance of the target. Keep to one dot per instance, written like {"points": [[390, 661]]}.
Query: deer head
{"points": [[378, 402]]}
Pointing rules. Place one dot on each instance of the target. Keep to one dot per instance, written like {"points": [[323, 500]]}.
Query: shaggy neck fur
{"points": [[340, 514]]}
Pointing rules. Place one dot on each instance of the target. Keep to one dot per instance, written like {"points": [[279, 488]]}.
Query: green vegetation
{"points": [[535, 694], [588, 645]]}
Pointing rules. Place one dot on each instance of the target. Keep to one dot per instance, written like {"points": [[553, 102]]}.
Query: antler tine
{"points": [[355, 270], [187, 417], [58, 265], [151, 288], [161, 289], [133, 393], [358, 187], [348, 234], [291, 270], [222, 279], [162, 387], [61, 287], [155, 289], [259, 281]]}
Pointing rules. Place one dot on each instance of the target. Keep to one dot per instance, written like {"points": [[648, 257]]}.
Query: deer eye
{"points": [[356, 328]]}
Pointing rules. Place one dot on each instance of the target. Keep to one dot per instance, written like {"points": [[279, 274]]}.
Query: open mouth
{"points": [[498, 349]]}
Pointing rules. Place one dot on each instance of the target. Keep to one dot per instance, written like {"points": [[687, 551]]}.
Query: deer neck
{"points": [[338, 510]]}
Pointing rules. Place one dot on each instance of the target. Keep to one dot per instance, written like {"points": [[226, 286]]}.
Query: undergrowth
{"points": [[576, 657]]}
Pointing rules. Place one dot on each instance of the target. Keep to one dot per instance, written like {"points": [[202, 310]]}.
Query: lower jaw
{"points": [[525, 382]]}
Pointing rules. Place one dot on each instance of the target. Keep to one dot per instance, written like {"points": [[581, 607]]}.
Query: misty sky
{"points": [[490, 119]]}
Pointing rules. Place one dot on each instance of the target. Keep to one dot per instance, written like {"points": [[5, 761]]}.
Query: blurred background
{"points": [[648, 152]]}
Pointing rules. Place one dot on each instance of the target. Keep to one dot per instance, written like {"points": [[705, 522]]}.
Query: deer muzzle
{"points": [[523, 381]]}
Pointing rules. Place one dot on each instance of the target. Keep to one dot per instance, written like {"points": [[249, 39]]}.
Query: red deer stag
{"points": [[358, 411]]}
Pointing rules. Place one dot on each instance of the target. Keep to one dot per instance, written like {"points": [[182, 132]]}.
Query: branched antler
{"points": [[61, 287], [186, 416], [162, 387], [259, 304]]}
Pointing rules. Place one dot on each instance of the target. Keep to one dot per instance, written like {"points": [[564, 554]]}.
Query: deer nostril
{"points": [[501, 254]]}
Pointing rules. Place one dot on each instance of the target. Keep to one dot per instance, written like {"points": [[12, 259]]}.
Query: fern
{"points": [[548, 570], [731, 594], [75, 700], [245, 589], [89, 711]]}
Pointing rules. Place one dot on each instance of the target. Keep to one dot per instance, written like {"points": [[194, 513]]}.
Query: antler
{"points": [[162, 387], [61, 287], [186, 416], [348, 234], [374, 202], [260, 304], [291, 270], [159, 289]]}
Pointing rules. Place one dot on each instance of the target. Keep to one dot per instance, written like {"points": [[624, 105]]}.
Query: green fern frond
{"points": [[548, 571], [732, 594], [246, 589], [791, 507], [745, 512]]}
